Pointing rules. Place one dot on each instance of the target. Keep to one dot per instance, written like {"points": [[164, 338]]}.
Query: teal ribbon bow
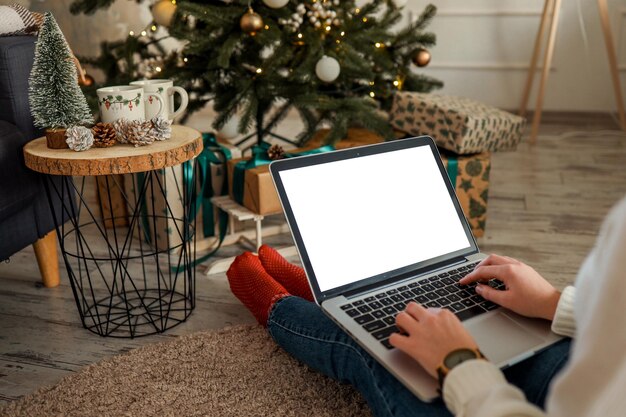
{"points": [[260, 157]]}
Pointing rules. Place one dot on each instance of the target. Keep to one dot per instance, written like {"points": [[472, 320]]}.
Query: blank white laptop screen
{"points": [[369, 215]]}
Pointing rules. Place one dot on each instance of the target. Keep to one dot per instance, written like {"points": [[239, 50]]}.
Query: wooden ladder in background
{"points": [[550, 15]]}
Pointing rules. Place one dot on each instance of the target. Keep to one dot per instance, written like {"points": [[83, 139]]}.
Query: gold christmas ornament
{"points": [[421, 57], [104, 135], [251, 22], [87, 82], [163, 12]]}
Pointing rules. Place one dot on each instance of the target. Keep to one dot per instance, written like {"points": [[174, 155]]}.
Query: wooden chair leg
{"points": [[47, 259], [610, 49], [535, 57], [547, 62]]}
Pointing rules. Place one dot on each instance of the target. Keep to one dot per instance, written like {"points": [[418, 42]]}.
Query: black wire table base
{"points": [[133, 275]]}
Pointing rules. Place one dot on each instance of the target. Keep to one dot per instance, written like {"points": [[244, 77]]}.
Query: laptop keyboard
{"points": [[377, 313]]}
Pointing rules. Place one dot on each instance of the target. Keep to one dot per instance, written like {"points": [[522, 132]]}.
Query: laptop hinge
{"points": [[409, 275]]}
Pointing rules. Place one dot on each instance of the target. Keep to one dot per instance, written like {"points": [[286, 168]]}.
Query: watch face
{"points": [[458, 356]]}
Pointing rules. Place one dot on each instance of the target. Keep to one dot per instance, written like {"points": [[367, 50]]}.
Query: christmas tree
{"points": [[56, 100], [335, 63]]}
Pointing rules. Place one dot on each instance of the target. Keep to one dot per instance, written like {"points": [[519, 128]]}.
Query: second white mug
{"points": [[126, 102], [165, 89]]}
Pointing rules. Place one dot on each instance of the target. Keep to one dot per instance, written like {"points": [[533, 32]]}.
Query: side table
{"points": [[125, 281]]}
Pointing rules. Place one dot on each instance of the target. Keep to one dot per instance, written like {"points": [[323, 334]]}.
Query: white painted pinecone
{"points": [[79, 138], [162, 128], [121, 130], [140, 133]]}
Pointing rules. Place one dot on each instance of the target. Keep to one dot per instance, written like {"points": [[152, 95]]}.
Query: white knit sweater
{"points": [[593, 383]]}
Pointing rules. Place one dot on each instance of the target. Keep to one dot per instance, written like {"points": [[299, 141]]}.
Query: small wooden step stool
{"points": [[238, 212]]}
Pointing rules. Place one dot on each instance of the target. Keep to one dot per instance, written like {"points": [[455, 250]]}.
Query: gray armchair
{"points": [[25, 215]]}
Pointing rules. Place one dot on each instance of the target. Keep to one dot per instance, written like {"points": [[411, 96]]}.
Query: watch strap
{"points": [[443, 370]]}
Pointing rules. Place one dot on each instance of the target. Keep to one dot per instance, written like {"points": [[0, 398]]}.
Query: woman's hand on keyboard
{"points": [[429, 335], [527, 293]]}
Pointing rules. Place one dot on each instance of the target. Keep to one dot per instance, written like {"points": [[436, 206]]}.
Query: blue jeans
{"points": [[303, 330]]}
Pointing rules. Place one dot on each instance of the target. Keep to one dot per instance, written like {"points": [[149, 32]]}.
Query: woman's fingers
{"points": [[485, 273], [494, 259], [493, 295], [408, 320], [416, 311]]}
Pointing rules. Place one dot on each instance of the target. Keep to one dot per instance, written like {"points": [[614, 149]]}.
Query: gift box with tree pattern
{"points": [[457, 124]]}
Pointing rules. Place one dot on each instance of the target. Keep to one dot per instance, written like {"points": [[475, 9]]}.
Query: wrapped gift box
{"points": [[111, 202], [457, 124], [470, 176], [469, 173], [169, 206], [258, 193]]}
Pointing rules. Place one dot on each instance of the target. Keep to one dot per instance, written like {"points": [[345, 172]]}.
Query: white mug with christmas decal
{"points": [[126, 102], [166, 90]]}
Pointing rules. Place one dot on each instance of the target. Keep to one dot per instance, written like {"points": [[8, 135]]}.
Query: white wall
{"points": [[483, 46]]}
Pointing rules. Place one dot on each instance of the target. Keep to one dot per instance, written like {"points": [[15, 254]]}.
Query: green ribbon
{"points": [[259, 158], [453, 169], [139, 188], [212, 154]]}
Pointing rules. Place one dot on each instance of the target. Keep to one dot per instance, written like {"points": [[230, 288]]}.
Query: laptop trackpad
{"points": [[501, 338]]}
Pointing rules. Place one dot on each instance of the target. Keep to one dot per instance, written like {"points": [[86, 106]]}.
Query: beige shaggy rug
{"points": [[238, 371]]}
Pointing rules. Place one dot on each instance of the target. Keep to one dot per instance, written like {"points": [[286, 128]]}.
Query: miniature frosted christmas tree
{"points": [[56, 100]]}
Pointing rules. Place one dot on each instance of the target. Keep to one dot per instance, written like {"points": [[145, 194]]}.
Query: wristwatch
{"points": [[454, 358]]}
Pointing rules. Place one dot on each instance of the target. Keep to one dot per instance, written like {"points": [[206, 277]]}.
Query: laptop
{"points": [[379, 226]]}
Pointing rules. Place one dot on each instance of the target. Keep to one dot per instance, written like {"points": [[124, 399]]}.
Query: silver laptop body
{"points": [[382, 222]]}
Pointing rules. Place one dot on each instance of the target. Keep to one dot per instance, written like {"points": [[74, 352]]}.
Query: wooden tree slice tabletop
{"points": [[184, 144]]}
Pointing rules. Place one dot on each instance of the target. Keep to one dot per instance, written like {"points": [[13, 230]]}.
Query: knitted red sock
{"points": [[291, 276], [257, 290]]}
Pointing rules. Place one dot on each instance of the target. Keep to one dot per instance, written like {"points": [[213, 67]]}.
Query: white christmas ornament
{"points": [[275, 4], [327, 69], [230, 130], [399, 3], [163, 12]]}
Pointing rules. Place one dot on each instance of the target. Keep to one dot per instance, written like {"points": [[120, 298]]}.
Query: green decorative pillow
{"points": [[17, 20]]}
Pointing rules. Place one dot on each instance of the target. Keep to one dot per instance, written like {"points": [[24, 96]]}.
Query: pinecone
{"points": [[121, 130], [276, 152], [140, 133], [79, 138], [162, 128], [103, 135]]}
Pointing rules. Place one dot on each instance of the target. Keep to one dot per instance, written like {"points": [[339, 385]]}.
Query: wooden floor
{"points": [[546, 203]]}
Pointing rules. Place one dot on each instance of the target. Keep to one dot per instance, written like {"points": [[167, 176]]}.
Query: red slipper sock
{"points": [[290, 276], [254, 287]]}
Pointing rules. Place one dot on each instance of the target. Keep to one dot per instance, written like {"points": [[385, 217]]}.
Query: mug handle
{"points": [[160, 100], [184, 100]]}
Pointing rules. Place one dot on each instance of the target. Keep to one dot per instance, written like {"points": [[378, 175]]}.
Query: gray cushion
{"points": [[16, 60], [18, 185]]}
